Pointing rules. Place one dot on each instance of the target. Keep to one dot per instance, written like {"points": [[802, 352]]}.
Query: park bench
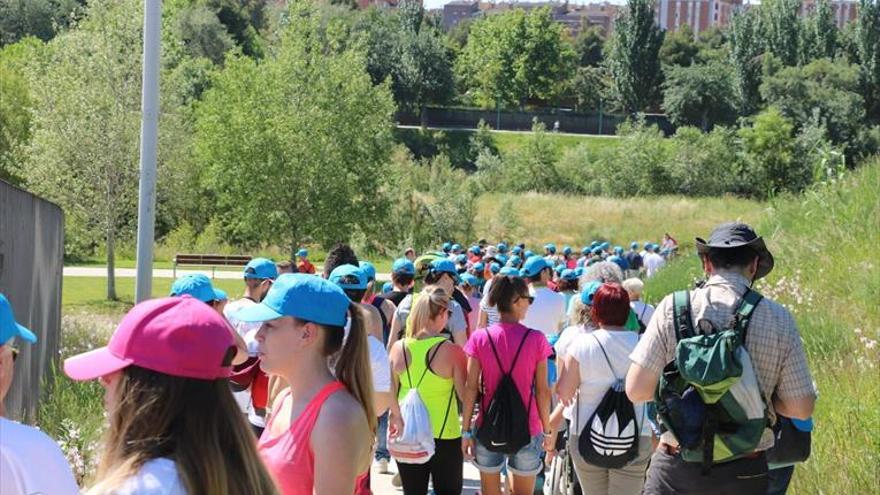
{"points": [[212, 260]]}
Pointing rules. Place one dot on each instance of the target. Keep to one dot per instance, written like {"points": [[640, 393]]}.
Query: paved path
{"points": [[100, 271], [507, 131], [381, 483]]}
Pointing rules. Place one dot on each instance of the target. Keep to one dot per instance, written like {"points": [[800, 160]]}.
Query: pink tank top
{"points": [[289, 457]]}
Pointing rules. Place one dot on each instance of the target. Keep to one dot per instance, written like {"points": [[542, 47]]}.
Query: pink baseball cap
{"points": [[178, 336]]}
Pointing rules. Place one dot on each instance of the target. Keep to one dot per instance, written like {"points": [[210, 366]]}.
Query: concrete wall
{"points": [[31, 264]]}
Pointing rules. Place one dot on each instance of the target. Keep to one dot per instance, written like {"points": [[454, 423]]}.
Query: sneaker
{"points": [[382, 466], [395, 481]]}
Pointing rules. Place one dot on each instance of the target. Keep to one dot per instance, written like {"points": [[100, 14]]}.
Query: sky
{"points": [[436, 4]]}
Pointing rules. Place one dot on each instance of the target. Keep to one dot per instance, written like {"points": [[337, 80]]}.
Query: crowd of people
{"points": [[316, 381]]}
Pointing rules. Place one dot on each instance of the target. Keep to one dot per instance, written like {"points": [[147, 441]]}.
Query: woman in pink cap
{"points": [[319, 436], [175, 428]]}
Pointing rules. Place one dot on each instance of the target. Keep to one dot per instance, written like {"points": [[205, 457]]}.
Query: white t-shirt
{"points": [[653, 262], [31, 462], [547, 312], [156, 477], [380, 365], [596, 377], [643, 310], [561, 347], [248, 332], [493, 316]]}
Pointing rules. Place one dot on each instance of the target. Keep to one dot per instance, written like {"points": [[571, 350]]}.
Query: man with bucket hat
{"points": [[30, 461], [733, 257]]}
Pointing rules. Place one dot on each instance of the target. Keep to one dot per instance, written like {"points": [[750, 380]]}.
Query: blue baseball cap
{"points": [[566, 250], [349, 277], [468, 279], [604, 245], [510, 271], [533, 266], [501, 259], [475, 249], [594, 245], [579, 271], [617, 260], [501, 247], [260, 268], [220, 295], [550, 247], [494, 268], [514, 261], [597, 250], [589, 292], [516, 250], [368, 269], [634, 245], [456, 247], [301, 296], [444, 266], [403, 266], [618, 249], [528, 254], [447, 246], [303, 253], [559, 268], [9, 328], [461, 259], [197, 285], [568, 275], [387, 287], [479, 267], [585, 250]]}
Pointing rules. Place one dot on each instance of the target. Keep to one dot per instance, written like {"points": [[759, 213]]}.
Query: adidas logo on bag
{"points": [[608, 440]]}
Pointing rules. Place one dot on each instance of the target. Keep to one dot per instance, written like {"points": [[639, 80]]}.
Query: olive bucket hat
{"points": [[733, 235]]}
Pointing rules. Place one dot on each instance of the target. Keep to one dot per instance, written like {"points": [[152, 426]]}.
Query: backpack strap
{"points": [[429, 360], [515, 356], [406, 362], [681, 310], [744, 313], [386, 328], [606, 356]]}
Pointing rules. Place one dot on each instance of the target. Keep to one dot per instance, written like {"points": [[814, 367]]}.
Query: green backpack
{"points": [[708, 396]]}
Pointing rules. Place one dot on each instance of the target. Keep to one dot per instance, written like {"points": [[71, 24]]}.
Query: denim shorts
{"points": [[526, 462]]}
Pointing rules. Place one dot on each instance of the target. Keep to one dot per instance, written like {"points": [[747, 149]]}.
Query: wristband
{"points": [[467, 435]]}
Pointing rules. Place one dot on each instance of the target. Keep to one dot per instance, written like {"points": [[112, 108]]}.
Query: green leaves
{"points": [[633, 57], [294, 145], [700, 95], [513, 56]]}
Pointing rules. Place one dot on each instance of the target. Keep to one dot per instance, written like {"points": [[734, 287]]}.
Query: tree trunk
{"points": [[111, 265]]}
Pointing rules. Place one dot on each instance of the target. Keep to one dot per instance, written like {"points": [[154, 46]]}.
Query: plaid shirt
{"points": [[773, 341]]}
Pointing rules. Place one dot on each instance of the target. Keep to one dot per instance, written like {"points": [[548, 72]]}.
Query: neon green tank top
{"points": [[437, 393]]}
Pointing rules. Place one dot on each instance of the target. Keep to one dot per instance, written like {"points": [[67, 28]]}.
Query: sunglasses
{"points": [[531, 299]]}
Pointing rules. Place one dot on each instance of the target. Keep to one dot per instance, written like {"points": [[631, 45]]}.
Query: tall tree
{"points": [[588, 45], [40, 18], [868, 44], [746, 50], [634, 59], [679, 48], [548, 58], [316, 133], [824, 32], [780, 29], [84, 150], [700, 95]]}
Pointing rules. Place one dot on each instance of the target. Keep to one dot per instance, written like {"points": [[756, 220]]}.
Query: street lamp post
{"points": [[149, 139]]}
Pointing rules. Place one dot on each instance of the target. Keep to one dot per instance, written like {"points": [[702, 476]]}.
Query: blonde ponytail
{"points": [[353, 366]]}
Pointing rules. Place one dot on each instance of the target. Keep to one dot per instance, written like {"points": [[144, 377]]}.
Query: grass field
{"points": [[827, 274], [577, 220]]}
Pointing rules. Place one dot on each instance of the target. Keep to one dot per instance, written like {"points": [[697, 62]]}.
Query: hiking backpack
{"points": [[415, 444], [708, 396], [505, 426], [610, 439]]}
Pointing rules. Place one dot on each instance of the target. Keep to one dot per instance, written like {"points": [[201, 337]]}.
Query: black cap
{"points": [[733, 235]]}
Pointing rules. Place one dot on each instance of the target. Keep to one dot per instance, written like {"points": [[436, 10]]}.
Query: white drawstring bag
{"points": [[415, 444]]}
